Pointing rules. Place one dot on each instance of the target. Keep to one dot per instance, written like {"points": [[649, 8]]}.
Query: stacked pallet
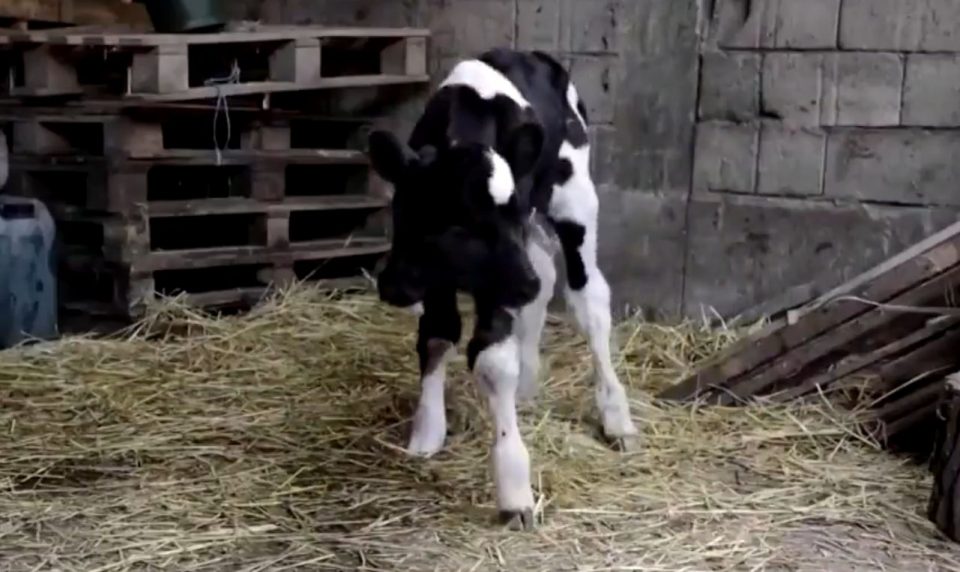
{"points": [[160, 182], [884, 341]]}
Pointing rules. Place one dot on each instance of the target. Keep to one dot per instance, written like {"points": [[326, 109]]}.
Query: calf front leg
{"points": [[494, 357], [437, 338]]}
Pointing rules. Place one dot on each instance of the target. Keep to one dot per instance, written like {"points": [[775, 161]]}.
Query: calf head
{"points": [[459, 218]]}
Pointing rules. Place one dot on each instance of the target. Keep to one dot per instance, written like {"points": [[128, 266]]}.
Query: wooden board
{"points": [[101, 12], [119, 37], [914, 266]]}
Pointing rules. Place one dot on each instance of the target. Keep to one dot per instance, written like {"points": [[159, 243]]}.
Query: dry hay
{"points": [[271, 442]]}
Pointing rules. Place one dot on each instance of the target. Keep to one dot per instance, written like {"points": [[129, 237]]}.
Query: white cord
{"points": [[218, 82]]}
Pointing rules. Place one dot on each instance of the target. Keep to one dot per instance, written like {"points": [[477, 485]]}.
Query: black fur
{"points": [[448, 234]]}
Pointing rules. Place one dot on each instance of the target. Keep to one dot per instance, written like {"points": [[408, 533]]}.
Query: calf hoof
{"points": [[625, 444], [424, 444], [518, 520]]}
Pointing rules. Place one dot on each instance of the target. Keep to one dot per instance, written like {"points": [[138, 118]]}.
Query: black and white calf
{"points": [[496, 170]]}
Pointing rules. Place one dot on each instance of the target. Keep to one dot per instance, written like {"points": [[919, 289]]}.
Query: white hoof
{"points": [[429, 433]]}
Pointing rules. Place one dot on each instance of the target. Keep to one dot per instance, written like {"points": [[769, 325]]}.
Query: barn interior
{"points": [[196, 373]]}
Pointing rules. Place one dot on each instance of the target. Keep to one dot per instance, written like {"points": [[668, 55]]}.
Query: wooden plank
{"points": [[264, 87], [406, 57], [250, 206], [165, 69], [771, 341], [297, 61], [858, 362], [89, 12], [931, 358], [135, 40], [185, 157], [240, 255], [911, 401], [815, 348]]}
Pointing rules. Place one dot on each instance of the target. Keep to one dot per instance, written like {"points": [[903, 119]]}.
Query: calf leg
{"points": [[494, 357], [529, 326], [574, 209], [437, 339]]}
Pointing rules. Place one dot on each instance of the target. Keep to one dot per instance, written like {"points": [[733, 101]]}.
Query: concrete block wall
{"points": [[742, 147], [827, 138]]}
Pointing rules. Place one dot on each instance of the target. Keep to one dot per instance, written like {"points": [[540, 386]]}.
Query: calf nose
{"points": [[395, 289]]}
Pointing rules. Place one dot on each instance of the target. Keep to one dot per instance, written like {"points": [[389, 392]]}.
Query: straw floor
{"points": [[272, 441]]}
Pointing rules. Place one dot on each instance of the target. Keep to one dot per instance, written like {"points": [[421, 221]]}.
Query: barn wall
{"points": [[825, 141], [742, 146]]}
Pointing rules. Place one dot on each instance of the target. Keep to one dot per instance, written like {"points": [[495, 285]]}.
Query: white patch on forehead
{"points": [[501, 183], [485, 80], [573, 99]]}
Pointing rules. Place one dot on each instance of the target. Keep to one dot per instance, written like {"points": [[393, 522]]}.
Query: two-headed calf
{"points": [[499, 157]]}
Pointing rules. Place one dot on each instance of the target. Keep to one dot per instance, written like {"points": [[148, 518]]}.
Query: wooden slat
{"points": [[89, 12], [264, 87], [932, 358], [245, 206], [801, 355], [858, 362], [241, 255], [120, 38], [774, 340], [190, 157]]}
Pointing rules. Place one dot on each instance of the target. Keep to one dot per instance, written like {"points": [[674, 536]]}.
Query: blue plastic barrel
{"points": [[28, 286]]}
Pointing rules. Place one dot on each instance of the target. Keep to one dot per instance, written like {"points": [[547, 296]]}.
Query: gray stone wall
{"points": [[742, 147], [828, 137]]}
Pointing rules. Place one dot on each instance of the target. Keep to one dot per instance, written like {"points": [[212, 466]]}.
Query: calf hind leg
{"points": [[573, 211], [437, 338], [529, 326]]}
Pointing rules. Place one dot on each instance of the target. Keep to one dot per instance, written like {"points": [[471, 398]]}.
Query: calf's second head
{"points": [[458, 217]]}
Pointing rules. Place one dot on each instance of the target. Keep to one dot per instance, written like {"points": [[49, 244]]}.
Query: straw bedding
{"points": [[272, 441]]}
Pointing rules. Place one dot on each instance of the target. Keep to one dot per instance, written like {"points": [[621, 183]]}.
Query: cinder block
{"points": [[729, 86], [641, 251], [595, 80], [808, 89], [603, 139], [898, 25], [725, 158], [538, 25], [746, 250], [931, 94], [941, 26], [881, 24], [590, 26], [804, 24], [791, 161], [868, 88], [792, 86], [902, 166], [468, 27]]}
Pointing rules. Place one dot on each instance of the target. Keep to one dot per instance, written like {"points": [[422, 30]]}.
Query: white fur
{"points": [[415, 309], [485, 80], [500, 184], [576, 201], [573, 99], [529, 328], [497, 371], [430, 421]]}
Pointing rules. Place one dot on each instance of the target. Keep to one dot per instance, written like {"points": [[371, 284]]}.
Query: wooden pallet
{"points": [[213, 277], [181, 135], [180, 67], [886, 339]]}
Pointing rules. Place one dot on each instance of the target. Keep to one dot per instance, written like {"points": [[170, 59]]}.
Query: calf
{"points": [[496, 169]]}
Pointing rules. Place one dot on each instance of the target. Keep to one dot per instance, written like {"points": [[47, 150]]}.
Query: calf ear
{"points": [[523, 148], [388, 156]]}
